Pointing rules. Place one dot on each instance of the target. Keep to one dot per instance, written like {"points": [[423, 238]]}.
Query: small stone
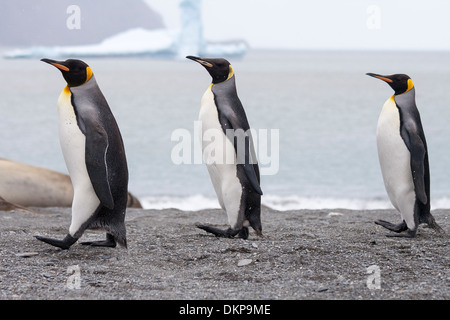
{"points": [[26, 254], [244, 262]]}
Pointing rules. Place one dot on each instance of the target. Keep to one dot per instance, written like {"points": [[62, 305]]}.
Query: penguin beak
{"points": [[58, 64], [201, 61], [384, 78]]}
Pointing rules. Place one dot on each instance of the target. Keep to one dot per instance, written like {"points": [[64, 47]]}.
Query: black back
{"points": [[105, 156]]}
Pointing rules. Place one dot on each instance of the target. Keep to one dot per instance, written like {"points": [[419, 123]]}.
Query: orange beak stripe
{"points": [[60, 66], [384, 79]]}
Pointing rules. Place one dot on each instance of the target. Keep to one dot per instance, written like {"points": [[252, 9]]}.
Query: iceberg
{"points": [[142, 42], [191, 35], [134, 42]]}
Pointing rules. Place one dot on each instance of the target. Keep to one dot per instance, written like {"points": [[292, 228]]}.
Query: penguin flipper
{"points": [[251, 166], [418, 153], [63, 244], [413, 136], [246, 156], [232, 116], [250, 172], [96, 149]]}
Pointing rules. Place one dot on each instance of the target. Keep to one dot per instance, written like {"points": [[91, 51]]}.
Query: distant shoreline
{"points": [[278, 202]]}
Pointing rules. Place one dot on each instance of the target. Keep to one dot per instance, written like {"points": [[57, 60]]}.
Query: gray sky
{"points": [[323, 24]]}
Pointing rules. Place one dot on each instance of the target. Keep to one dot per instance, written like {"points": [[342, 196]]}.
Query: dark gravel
{"points": [[305, 254]]}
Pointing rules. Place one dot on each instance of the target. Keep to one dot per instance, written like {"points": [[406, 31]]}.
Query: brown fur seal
{"points": [[8, 206], [30, 186]]}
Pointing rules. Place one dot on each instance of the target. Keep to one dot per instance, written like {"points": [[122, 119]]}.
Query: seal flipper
{"points": [[63, 244]]}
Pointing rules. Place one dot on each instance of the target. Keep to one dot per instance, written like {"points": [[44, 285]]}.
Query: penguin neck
{"points": [[230, 75], [230, 81], [225, 87], [406, 101], [411, 92], [91, 83]]}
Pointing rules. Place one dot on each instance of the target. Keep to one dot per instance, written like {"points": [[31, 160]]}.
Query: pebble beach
{"points": [[303, 255]]}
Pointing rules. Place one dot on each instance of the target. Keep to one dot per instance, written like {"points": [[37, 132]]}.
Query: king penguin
{"points": [[236, 182], [403, 157], [94, 153]]}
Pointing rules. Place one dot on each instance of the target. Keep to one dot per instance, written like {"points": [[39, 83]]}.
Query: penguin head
{"points": [[401, 83], [75, 72], [219, 69]]}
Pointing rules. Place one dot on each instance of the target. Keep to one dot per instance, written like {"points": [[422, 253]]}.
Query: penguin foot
{"points": [[229, 233], [109, 242], [393, 227], [243, 234], [63, 244], [409, 234], [101, 243], [433, 224], [397, 228]]}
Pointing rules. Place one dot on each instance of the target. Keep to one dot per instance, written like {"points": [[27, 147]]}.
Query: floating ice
{"points": [[141, 42], [129, 43]]}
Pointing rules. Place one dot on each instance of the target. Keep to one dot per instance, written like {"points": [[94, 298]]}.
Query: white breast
{"points": [[72, 140], [73, 143], [220, 158], [394, 159]]}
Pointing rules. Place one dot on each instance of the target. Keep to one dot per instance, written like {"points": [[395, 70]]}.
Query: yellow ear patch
{"points": [[231, 72], [88, 74], [410, 85]]}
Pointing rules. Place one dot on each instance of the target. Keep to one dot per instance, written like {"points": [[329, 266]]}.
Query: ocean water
{"points": [[321, 104]]}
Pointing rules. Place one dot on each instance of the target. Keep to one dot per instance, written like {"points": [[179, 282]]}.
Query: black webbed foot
{"points": [[243, 233], [109, 242], [393, 227], [397, 228], [228, 233], [63, 244], [408, 234]]}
